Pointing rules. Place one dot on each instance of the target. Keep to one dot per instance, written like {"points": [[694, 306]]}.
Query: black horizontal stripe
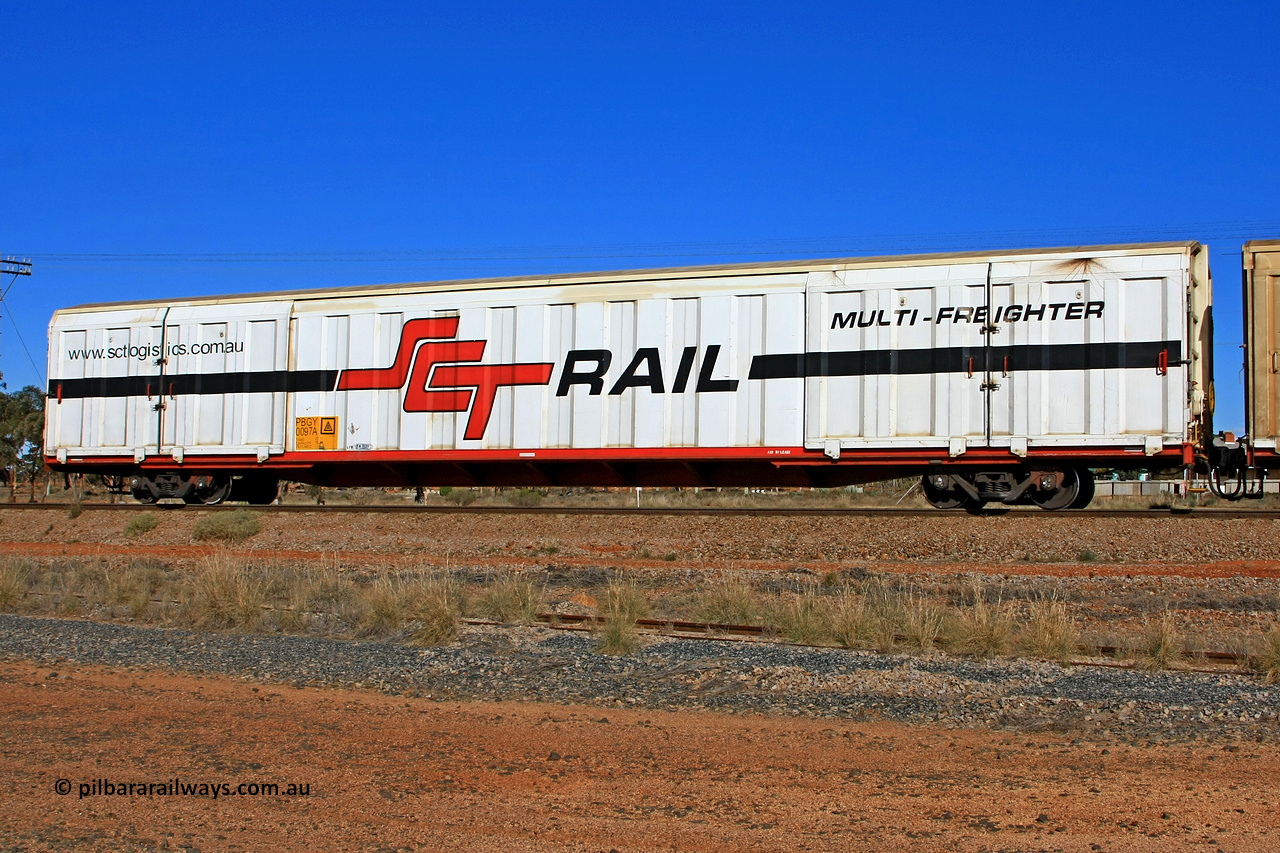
{"points": [[787, 366], [243, 382], [1023, 357]]}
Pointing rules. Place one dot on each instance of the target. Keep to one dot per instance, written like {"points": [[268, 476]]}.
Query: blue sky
{"points": [[153, 150]]}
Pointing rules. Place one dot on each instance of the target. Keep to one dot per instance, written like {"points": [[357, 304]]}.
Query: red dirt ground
{"points": [[389, 773]]}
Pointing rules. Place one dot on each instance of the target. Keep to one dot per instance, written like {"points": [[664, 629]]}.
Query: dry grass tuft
{"points": [[13, 583], [918, 620], [1162, 646], [319, 599], [805, 618], [88, 586], [435, 602], [883, 617], [851, 622], [1050, 632], [386, 605], [226, 593], [983, 629], [1266, 660], [511, 598], [234, 526], [729, 601], [624, 604], [135, 586]]}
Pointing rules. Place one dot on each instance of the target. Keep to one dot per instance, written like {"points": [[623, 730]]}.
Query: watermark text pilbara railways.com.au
{"points": [[179, 787]]}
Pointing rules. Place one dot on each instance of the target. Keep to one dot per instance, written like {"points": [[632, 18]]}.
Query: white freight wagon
{"points": [[998, 376]]}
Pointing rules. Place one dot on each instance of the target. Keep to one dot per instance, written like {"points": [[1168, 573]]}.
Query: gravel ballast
{"points": [[536, 664]]}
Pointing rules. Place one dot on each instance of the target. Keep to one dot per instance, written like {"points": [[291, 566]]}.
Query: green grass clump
{"points": [[140, 524], [524, 497], [235, 526]]}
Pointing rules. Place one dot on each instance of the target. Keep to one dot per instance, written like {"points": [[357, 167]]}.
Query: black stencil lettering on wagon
{"points": [[683, 371], [644, 371], [593, 379], [705, 382], [651, 378], [976, 315]]}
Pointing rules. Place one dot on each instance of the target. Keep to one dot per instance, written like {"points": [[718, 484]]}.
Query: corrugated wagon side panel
{"points": [[782, 400]]}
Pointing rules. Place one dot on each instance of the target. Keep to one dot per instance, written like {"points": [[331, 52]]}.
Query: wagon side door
{"points": [[226, 379], [895, 359], [103, 369]]}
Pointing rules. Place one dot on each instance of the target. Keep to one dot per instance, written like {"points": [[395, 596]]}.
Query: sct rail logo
{"points": [[444, 375]]}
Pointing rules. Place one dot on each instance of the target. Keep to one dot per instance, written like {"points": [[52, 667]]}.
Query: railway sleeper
{"points": [[1047, 488]]}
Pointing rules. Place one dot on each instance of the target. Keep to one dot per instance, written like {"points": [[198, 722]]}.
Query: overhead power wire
{"points": [[833, 246]]}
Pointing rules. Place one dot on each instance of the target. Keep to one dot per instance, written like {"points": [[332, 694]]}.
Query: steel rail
{"points": [[716, 631], [820, 512]]}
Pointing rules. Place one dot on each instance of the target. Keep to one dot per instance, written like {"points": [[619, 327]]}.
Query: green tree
{"points": [[22, 435]]}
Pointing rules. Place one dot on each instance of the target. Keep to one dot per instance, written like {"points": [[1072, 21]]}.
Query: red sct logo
{"points": [[443, 374]]}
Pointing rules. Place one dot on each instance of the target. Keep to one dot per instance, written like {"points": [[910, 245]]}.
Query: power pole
{"points": [[15, 268]]}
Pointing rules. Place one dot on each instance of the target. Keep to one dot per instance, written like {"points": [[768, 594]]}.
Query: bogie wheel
{"points": [[942, 498], [1087, 488], [142, 490], [1065, 495], [219, 493]]}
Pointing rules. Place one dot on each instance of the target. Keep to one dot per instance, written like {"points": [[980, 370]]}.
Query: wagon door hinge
{"points": [[990, 329], [989, 386]]}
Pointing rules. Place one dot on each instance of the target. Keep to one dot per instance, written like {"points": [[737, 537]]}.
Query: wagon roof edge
{"points": [[691, 272]]}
